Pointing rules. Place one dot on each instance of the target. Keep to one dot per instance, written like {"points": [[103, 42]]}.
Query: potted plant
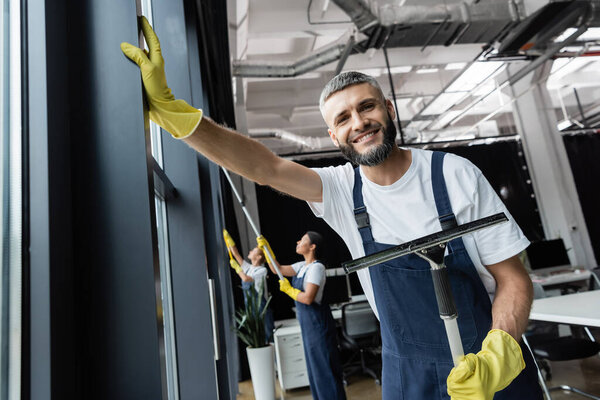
{"points": [[250, 328]]}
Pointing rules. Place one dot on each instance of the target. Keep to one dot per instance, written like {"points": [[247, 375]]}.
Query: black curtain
{"points": [[214, 59], [583, 152], [504, 166]]}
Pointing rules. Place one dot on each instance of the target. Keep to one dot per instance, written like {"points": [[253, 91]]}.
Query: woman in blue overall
{"points": [[253, 276], [316, 322], [416, 355]]}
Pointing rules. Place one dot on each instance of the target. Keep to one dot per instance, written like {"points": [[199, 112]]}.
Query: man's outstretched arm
{"points": [[223, 146], [251, 159]]}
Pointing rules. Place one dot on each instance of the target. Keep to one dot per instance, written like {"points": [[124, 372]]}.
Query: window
{"points": [[10, 200], [163, 190]]}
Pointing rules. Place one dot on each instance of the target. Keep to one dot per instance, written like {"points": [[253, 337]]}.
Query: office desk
{"points": [[578, 309], [289, 355], [561, 277]]}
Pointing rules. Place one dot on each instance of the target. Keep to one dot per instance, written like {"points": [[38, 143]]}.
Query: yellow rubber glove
{"points": [[262, 243], [235, 265], [175, 116], [479, 376], [286, 287], [228, 239]]}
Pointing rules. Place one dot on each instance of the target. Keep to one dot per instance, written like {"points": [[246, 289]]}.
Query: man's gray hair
{"points": [[342, 81]]}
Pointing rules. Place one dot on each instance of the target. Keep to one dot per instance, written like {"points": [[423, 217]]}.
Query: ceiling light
{"points": [[589, 35], [418, 125], [426, 70], [564, 124], [567, 32], [444, 120], [374, 72], [402, 69], [442, 103], [455, 66], [474, 75]]}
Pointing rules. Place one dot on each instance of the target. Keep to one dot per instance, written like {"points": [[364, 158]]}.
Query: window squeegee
{"points": [[432, 248], [237, 195]]}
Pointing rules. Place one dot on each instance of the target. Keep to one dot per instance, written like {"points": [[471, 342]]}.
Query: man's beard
{"points": [[376, 154]]}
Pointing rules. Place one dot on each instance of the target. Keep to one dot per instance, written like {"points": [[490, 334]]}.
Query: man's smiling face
{"points": [[360, 124]]}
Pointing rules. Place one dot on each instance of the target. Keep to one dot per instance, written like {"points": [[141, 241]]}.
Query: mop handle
{"points": [[446, 306], [237, 195], [239, 198]]}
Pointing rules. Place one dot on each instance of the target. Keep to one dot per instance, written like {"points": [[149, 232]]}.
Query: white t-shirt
{"points": [[258, 274], [405, 210], [312, 273]]}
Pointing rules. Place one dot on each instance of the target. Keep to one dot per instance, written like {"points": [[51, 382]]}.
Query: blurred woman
{"points": [[254, 277], [316, 321]]}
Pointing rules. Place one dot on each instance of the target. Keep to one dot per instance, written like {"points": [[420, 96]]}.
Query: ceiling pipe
{"points": [[579, 131], [256, 69], [571, 54], [344, 56], [359, 13], [465, 12], [367, 23], [310, 142]]}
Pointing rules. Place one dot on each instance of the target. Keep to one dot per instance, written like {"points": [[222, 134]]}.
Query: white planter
{"points": [[262, 370]]}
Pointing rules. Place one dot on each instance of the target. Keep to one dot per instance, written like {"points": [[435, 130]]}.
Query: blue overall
{"points": [[416, 355], [269, 322], [320, 348]]}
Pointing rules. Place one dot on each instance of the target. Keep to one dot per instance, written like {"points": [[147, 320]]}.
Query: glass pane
{"points": [[166, 309], [163, 274], [10, 200], [145, 7], [3, 201]]}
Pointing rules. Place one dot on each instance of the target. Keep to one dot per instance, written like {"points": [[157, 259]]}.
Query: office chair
{"points": [[360, 334], [545, 344], [595, 279]]}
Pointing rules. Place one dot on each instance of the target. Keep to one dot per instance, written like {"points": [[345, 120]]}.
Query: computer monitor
{"points": [[548, 256], [355, 286], [336, 290]]}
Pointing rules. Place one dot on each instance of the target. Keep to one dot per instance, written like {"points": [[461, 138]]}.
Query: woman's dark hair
{"points": [[317, 239]]}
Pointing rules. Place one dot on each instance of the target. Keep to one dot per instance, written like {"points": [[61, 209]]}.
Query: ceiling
{"points": [[436, 86]]}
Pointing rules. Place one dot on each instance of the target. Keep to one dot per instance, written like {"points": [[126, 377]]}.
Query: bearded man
{"points": [[394, 195]]}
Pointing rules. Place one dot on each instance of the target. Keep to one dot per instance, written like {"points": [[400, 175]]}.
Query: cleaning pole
{"points": [[256, 232], [432, 248]]}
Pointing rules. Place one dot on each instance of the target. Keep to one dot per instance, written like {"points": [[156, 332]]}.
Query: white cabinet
{"points": [[289, 354]]}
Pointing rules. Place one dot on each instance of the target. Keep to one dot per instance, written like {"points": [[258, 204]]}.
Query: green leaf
{"points": [[250, 320]]}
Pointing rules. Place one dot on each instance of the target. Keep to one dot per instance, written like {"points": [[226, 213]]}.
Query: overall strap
{"points": [[442, 201], [360, 211], [440, 193]]}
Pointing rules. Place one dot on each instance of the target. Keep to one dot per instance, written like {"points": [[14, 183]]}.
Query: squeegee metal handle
{"points": [[422, 243], [456, 347], [254, 228], [447, 310]]}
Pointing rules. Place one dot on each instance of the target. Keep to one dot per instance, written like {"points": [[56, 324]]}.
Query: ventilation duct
{"points": [[309, 142], [412, 28], [309, 63], [536, 33], [431, 23]]}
